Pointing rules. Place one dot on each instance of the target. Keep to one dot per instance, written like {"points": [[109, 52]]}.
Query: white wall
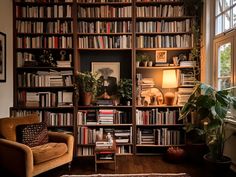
{"points": [[6, 26]]}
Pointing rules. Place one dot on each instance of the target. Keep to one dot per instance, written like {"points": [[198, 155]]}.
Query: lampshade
{"points": [[169, 79]]}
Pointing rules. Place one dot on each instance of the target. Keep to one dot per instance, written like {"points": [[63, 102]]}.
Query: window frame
{"points": [[217, 42]]}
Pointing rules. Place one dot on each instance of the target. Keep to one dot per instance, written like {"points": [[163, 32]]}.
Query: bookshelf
{"points": [[56, 39], [44, 67], [163, 35]]}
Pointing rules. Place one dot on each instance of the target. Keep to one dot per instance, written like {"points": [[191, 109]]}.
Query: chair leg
{"points": [[69, 167]]}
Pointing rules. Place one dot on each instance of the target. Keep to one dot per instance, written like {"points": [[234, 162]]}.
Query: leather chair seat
{"points": [[48, 152]]}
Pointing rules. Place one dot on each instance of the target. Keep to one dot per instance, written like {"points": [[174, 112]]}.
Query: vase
{"points": [[87, 98]]}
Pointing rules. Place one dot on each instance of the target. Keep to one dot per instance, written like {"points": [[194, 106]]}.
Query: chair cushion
{"points": [[32, 134], [48, 151]]}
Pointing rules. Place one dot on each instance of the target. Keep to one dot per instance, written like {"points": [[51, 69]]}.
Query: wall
{"points": [[6, 26]]}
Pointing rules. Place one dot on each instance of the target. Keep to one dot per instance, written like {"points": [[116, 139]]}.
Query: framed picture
{"points": [[2, 57], [161, 56], [109, 73]]}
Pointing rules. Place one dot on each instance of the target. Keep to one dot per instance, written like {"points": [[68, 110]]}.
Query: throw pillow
{"points": [[32, 134]]}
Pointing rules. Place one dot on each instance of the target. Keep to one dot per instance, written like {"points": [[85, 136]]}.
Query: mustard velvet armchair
{"points": [[24, 161]]}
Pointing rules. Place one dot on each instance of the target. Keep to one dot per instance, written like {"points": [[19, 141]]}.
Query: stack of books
{"points": [[184, 94], [106, 116], [63, 63]]}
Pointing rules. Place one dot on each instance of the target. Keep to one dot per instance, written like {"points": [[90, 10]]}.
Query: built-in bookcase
{"points": [[44, 67], [55, 39]]}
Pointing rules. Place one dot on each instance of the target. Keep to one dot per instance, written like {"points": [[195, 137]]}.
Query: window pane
{"points": [[219, 6], [219, 25], [234, 16], [226, 4], [227, 18], [224, 66], [234, 1]]}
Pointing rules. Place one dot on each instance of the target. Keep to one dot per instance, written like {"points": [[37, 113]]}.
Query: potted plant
{"points": [[125, 90], [87, 83], [211, 107], [138, 60]]}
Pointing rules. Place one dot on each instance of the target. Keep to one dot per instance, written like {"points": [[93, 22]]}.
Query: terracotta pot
{"points": [[87, 98]]}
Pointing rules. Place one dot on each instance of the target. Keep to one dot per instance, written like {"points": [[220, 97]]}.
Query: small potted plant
{"points": [[211, 107], [125, 91], [87, 83]]}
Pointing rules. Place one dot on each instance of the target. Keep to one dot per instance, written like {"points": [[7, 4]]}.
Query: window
{"points": [[223, 63], [224, 57], [225, 15]]}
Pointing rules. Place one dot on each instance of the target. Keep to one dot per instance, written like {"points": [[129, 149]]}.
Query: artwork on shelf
{"points": [[2, 57], [161, 56], [109, 73]]}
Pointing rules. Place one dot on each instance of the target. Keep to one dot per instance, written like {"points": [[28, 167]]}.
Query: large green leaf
{"points": [[205, 101], [221, 110], [222, 97]]}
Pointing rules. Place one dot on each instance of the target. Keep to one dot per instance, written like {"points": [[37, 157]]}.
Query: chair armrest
{"points": [[63, 138], [16, 157]]}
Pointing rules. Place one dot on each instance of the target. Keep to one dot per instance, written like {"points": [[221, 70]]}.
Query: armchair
{"points": [[25, 161]]}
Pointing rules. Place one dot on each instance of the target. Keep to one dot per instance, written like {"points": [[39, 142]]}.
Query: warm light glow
{"points": [[169, 79]]}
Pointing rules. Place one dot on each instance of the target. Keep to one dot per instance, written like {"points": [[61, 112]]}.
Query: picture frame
{"points": [[161, 56], [109, 75], [114, 66], [2, 57]]}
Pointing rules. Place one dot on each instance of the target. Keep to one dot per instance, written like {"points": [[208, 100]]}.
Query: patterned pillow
{"points": [[32, 134]]}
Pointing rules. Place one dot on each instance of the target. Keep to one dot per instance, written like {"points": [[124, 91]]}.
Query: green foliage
{"points": [[87, 82], [212, 107], [143, 57], [125, 89]]}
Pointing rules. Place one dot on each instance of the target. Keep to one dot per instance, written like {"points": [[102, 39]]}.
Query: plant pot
{"points": [[137, 63], [150, 64], [217, 168], [87, 98]]}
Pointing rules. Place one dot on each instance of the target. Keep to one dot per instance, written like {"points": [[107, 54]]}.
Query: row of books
{"points": [[164, 41], [104, 11], [45, 79], [88, 135], [104, 1], [157, 117], [44, 27], [44, 1], [58, 119], [86, 117], [44, 42], [89, 151], [160, 136], [20, 113], [105, 42], [45, 99], [163, 26], [160, 11], [104, 27], [85, 151], [55, 11], [159, 0]]}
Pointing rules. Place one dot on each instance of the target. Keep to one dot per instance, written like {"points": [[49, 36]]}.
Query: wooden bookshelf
{"points": [[85, 31]]}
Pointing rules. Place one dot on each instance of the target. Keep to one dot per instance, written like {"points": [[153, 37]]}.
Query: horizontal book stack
{"points": [[184, 94]]}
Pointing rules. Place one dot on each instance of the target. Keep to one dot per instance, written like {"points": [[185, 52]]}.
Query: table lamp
{"points": [[169, 81]]}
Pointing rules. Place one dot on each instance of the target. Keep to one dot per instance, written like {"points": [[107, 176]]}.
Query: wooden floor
{"points": [[132, 164]]}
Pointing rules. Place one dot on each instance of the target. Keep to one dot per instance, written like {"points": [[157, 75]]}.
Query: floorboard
{"points": [[132, 164]]}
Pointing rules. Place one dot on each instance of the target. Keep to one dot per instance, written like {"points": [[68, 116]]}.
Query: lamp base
{"points": [[169, 98]]}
